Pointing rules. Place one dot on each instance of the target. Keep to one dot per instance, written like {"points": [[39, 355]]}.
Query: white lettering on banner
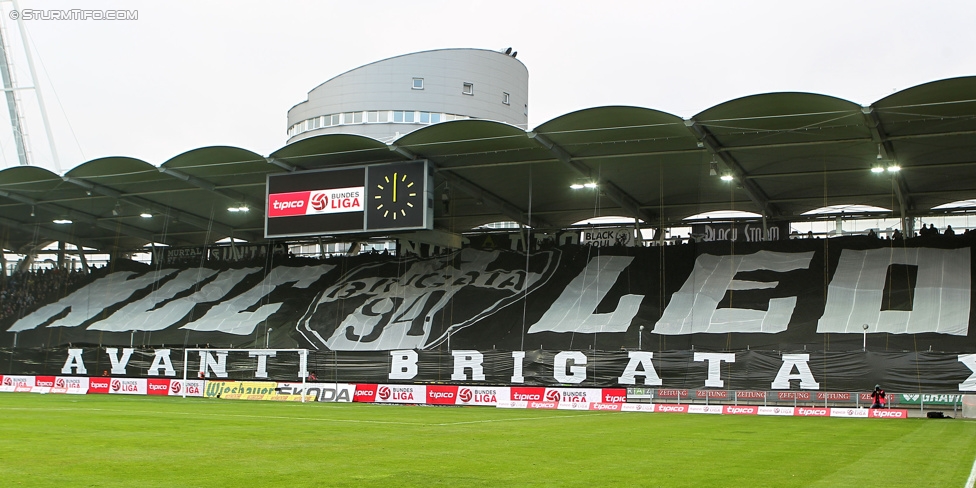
{"points": [[468, 360], [672, 408], [517, 358], [573, 310], [161, 361], [752, 234], [232, 316], [119, 363], [694, 308], [577, 374], [262, 355], [714, 360], [885, 413], [218, 365], [970, 361], [785, 374], [642, 360], [90, 300], [941, 299], [618, 236], [172, 312], [403, 365], [286, 204], [142, 314], [74, 364], [811, 412]]}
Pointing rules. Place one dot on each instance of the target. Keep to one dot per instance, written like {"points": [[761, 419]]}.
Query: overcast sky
{"points": [[190, 74]]}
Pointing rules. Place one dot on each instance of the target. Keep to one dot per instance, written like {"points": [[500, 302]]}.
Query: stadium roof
{"points": [[788, 153]]}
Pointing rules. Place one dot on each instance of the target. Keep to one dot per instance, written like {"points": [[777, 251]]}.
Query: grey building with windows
{"points": [[392, 97]]}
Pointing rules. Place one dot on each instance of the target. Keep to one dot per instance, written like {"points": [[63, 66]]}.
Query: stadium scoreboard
{"points": [[376, 198]]}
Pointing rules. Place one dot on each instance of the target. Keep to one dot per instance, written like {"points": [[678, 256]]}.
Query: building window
{"points": [[506, 99], [467, 88], [418, 83], [435, 118], [424, 117], [408, 116], [372, 116], [398, 116], [335, 119], [385, 116], [357, 117]]}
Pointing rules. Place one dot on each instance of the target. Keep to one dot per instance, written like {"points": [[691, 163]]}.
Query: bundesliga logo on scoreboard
{"points": [[316, 202]]}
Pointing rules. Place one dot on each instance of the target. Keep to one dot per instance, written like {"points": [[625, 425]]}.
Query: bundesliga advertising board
{"points": [[529, 397], [372, 198]]}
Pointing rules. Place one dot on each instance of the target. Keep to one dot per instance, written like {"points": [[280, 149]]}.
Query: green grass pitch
{"points": [[113, 441]]}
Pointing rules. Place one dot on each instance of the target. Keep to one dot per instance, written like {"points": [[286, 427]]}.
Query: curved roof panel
{"points": [[334, 150], [788, 153]]}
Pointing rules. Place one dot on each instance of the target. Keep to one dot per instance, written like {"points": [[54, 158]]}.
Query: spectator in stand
{"points": [[897, 235], [949, 232], [25, 289]]}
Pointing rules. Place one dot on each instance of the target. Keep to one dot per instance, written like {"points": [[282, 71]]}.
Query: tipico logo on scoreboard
{"points": [[316, 202]]}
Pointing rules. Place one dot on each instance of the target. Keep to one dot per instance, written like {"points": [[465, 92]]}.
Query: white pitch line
{"points": [[972, 476], [320, 419], [218, 414], [547, 417]]}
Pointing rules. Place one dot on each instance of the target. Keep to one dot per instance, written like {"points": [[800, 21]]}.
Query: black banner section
{"points": [[834, 295], [745, 370]]}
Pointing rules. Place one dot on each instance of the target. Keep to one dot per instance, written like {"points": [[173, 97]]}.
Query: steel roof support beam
{"points": [[75, 215], [756, 194], [208, 186], [503, 206], [887, 152], [191, 219], [56, 235], [628, 203], [281, 164], [906, 137]]}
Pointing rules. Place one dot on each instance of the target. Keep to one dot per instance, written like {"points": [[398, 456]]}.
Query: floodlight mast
{"points": [[16, 119], [12, 109]]}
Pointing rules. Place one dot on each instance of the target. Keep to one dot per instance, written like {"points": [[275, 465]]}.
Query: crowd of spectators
{"points": [[22, 290]]}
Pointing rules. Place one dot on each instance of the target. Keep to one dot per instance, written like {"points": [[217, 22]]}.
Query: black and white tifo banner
{"points": [[936, 372], [815, 295]]}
